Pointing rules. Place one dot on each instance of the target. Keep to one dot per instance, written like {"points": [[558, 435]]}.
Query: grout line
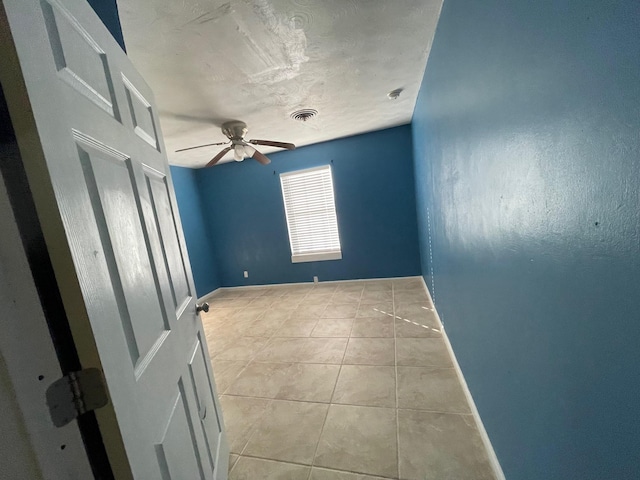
{"points": [[486, 441], [395, 362], [255, 425], [244, 303], [254, 428], [315, 452], [312, 466]]}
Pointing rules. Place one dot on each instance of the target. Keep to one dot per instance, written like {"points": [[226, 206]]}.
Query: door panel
{"points": [[164, 216], [109, 177], [142, 115], [95, 160], [204, 393], [177, 452], [79, 59]]}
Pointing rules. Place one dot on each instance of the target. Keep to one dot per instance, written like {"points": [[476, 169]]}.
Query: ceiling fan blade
{"points": [[288, 146], [260, 157], [218, 157], [200, 146]]}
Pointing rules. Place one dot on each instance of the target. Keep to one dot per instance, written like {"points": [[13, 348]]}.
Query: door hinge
{"points": [[74, 394]]}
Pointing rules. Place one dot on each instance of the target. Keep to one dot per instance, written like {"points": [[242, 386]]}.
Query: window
{"points": [[311, 214]]}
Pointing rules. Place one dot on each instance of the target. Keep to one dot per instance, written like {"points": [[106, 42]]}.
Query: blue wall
{"points": [[199, 242], [107, 10], [527, 156], [375, 202]]}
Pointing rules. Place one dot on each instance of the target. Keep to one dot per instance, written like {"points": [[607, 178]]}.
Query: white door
{"points": [[89, 136]]}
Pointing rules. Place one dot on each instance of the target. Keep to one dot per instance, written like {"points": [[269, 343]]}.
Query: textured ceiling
{"points": [[259, 60]]}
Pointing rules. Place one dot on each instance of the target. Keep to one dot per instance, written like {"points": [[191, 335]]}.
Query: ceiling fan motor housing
{"points": [[234, 130]]}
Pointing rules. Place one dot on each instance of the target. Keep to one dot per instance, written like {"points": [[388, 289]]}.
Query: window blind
{"points": [[311, 214]]}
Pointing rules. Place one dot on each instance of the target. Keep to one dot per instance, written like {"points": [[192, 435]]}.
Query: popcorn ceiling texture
{"points": [[259, 60]]}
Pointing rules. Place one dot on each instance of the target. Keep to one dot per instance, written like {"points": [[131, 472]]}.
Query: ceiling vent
{"points": [[304, 114]]}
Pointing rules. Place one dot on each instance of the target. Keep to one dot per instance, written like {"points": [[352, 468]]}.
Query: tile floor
{"points": [[340, 381]]}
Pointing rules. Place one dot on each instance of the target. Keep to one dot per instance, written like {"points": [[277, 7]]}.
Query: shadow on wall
{"points": [[527, 157], [196, 233]]}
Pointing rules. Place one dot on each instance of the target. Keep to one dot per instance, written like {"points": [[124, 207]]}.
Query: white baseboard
{"points": [[493, 459], [248, 287], [211, 293]]}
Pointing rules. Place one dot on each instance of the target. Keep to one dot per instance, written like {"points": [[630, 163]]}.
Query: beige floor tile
{"points": [[359, 439], [262, 327], [232, 302], [304, 350], [347, 310], [248, 313], [288, 431], [318, 473], [376, 297], [232, 460], [221, 366], [435, 389], [286, 303], [230, 327], [260, 380], [401, 297], [322, 298], [325, 287], [262, 302], [296, 327], [422, 352], [347, 297], [217, 313], [416, 312], [274, 314], [308, 311], [370, 351], [243, 348], [309, 382], [225, 372], [434, 446], [375, 310], [349, 287], [240, 415], [247, 292], [333, 327], [250, 468], [378, 285], [408, 329], [367, 385], [408, 284], [372, 327]]}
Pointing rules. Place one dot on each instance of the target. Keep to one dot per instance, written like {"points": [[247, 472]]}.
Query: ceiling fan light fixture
{"points": [[235, 131], [249, 151], [238, 153]]}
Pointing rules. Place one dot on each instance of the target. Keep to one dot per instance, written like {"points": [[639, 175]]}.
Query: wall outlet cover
{"points": [[315, 279], [246, 274]]}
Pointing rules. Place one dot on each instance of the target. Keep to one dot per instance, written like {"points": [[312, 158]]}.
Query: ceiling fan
{"points": [[235, 132]]}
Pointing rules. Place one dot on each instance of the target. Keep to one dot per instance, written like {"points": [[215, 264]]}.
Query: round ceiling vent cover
{"points": [[304, 114]]}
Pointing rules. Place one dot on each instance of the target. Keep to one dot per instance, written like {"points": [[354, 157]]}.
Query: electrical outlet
{"points": [[315, 279], [246, 274]]}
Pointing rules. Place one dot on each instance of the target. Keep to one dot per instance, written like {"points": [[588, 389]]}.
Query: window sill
{"points": [[316, 257]]}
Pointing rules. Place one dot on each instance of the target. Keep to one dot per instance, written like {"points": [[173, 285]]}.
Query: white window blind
{"points": [[311, 214]]}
